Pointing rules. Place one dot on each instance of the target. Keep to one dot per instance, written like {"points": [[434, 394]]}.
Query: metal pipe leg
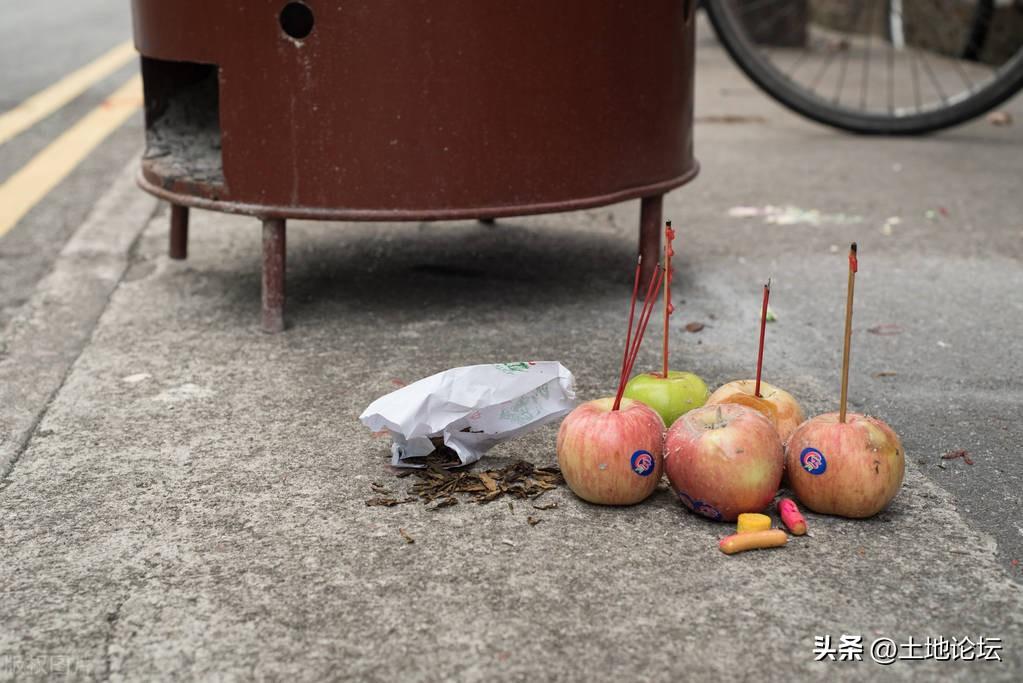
{"points": [[179, 232], [649, 237], [273, 274]]}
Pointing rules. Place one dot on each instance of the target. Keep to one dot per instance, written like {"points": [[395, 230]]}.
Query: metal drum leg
{"points": [[649, 236], [179, 232], [273, 274]]}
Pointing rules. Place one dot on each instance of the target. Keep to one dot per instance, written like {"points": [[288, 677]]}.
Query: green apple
{"points": [[672, 396]]}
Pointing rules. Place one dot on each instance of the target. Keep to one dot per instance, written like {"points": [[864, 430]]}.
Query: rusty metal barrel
{"points": [[413, 109]]}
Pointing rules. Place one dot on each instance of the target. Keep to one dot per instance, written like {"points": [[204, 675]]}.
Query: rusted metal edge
{"points": [[326, 214]]}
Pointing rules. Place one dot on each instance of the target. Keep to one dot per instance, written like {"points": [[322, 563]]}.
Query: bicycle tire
{"points": [[785, 91]]}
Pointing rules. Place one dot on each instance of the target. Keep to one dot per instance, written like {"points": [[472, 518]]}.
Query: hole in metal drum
{"points": [[297, 20]]}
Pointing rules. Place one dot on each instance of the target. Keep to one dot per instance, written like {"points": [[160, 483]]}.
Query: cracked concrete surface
{"points": [[191, 504], [42, 341]]}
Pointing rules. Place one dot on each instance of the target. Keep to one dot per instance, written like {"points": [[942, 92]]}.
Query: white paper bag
{"points": [[472, 408]]}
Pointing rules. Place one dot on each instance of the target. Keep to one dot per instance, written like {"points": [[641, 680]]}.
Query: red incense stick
{"points": [[632, 312], [763, 329], [633, 343], [644, 318]]}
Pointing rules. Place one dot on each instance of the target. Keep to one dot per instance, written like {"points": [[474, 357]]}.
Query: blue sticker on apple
{"points": [[707, 510], [699, 507], [643, 463], [813, 461]]}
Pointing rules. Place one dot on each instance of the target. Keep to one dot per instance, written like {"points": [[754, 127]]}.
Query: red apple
{"points": [[724, 460], [850, 469], [611, 457], [778, 405]]}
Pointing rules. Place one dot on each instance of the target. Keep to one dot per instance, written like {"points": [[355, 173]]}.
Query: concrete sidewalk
{"points": [[189, 499]]}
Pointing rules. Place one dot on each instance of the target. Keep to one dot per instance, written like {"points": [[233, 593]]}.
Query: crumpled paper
{"points": [[471, 408]]}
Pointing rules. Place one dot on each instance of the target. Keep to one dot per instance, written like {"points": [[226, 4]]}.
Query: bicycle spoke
{"points": [[841, 76], [824, 67], [916, 79], [748, 8], [789, 9], [896, 29], [932, 77], [954, 59], [854, 20], [791, 71], [866, 62], [891, 70]]}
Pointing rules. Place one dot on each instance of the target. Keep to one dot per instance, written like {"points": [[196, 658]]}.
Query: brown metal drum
{"points": [[415, 109]]}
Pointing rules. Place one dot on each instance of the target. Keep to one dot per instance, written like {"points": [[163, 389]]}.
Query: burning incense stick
{"points": [[669, 308], [853, 267], [763, 330]]}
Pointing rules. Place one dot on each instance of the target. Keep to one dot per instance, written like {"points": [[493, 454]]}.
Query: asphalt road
{"points": [[40, 43]]}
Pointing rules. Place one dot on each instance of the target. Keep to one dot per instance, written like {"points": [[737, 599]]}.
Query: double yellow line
{"points": [[33, 181]]}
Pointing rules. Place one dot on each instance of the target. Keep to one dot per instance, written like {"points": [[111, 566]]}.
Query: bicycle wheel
{"points": [[886, 67]]}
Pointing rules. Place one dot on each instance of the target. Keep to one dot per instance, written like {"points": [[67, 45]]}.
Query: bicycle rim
{"points": [[911, 69]]}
